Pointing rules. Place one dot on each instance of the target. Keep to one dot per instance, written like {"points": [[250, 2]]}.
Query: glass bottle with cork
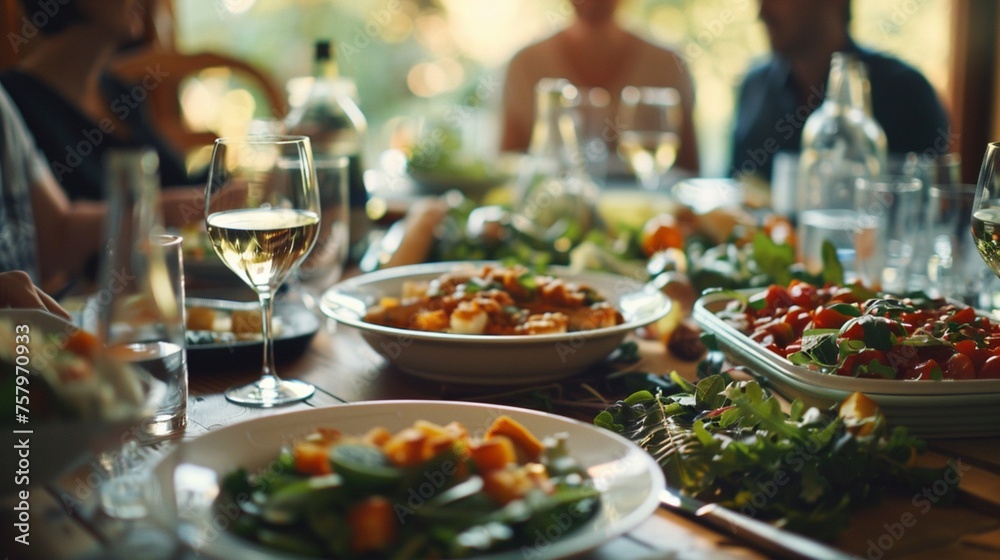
{"points": [[335, 125]]}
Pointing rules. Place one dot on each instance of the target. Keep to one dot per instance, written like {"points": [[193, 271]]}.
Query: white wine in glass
{"points": [[986, 209], [262, 214], [650, 118]]}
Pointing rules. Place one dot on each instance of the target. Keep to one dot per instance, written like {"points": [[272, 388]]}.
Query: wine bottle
{"points": [[335, 125]]}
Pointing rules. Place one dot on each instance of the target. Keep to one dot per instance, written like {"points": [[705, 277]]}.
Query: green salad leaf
{"points": [[731, 443]]}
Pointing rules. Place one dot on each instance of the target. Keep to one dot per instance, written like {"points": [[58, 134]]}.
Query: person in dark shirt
{"points": [[73, 107], [777, 97]]}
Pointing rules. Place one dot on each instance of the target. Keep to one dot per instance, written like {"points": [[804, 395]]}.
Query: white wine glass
{"points": [[986, 209], [650, 136], [263, 214]]}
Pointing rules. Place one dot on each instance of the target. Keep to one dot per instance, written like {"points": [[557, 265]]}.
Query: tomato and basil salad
{"points": [[853, 331]]}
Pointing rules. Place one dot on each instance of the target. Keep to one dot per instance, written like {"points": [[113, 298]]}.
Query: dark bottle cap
{"points": [[322, 50]]}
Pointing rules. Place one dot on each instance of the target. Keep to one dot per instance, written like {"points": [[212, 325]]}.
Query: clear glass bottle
{"points": [[841, 142], [138, 313], [336, 127], [140, 299], [557, 197]]}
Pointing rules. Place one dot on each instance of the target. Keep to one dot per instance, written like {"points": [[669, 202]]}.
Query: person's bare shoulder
{"points": [[661, 63], [534, 55], [656, 48]]}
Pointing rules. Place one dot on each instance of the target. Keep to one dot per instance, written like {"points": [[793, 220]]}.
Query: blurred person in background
{"points": [[595, 51], [42, 233], [74, 108], [777, 96]]}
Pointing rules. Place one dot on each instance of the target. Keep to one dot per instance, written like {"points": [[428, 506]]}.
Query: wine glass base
{"points": [[265, 394]]}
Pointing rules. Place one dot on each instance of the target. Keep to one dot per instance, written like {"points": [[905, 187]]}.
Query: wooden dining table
{"points": [[68, 523]]}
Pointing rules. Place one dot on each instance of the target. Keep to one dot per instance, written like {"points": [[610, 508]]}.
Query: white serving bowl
{"points": [[491, 359]]}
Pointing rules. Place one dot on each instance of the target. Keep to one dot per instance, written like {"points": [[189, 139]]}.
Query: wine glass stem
{"points": [[269, 375]]}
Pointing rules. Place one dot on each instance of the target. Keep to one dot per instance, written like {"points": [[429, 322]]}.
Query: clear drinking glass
{"points": [[651, 119], [952, 264], [138, 312], [262, 211], [986, 209], [888, 229], [595, 130]]}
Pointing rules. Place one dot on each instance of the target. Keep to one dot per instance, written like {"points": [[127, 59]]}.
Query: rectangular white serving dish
{"points": [[930, 409]]}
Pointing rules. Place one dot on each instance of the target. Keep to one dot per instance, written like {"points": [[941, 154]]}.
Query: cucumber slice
{"points": [[364, 468]]}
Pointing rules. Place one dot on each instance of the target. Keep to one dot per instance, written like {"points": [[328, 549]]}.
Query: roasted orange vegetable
{"points": [[373, 524], [311, 457], [524, 441], [494, 453], [82, 343], [859, 413]]}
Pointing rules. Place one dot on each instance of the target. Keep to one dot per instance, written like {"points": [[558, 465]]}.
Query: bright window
{"points": [[410, 58]]}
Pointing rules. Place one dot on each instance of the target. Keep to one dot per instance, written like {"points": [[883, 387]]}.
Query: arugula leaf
{"points": [[833, 271], [760, 409], [723, 448], [820, 346], [708, 393], [845, 309], [773, 259]]}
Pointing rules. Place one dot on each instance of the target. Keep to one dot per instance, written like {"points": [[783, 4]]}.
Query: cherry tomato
{"points": [[918, 317], [965, 347], [660, 233], [990, 369], [959, 366], [863, 358], [803, 294], [853, 330], [797, 318], [844, 294], [826, 318], [924, 371], [979, 357], [775, 297], [963, 316], [776, 332]]}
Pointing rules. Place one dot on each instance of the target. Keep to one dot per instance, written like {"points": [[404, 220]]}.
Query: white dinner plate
{"points": [[949, 408], [491, 359], [186, 481]]}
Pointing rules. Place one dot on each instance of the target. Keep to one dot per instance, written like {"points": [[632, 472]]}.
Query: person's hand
{"points": [[17, 290]]}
